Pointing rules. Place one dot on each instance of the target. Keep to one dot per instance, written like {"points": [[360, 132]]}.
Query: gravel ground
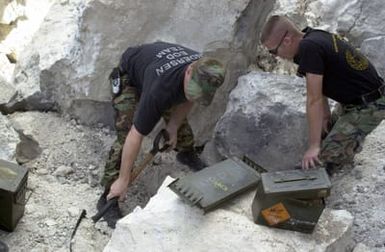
{"points": [[361, 191], [64, 180]]}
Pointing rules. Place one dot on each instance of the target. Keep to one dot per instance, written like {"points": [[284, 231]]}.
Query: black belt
{"points": [[369, 97]]}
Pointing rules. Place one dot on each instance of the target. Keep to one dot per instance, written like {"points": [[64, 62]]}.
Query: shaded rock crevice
{"points": [[249, 25], [237, 54], [27, 149]]}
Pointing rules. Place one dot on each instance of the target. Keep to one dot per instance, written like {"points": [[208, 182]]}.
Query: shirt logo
{"points": [[175, 55], [356, 60], [353, 57]]}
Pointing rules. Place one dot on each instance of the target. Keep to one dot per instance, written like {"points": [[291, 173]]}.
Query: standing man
{"points": [[333, 69], [157, 80]]}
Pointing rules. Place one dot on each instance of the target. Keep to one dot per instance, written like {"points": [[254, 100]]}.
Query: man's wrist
{"points": [[125, 179], [314, 145]]}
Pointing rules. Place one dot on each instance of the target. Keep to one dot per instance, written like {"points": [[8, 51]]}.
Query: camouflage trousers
{"points": [[124, 105], [350, 125]]}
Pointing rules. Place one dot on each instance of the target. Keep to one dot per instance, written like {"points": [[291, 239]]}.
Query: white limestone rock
{"points": [[168, 224], [9, 139], [21, 19], [7, 92], [359, 19], [67, 64], [42, 71], [374, 49]]}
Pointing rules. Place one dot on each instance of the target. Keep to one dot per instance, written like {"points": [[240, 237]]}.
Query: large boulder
{"points": [[45, 68], [169, 224], [19, 20], [265, 120], [358, 19], [86, 39], [7, 92]]}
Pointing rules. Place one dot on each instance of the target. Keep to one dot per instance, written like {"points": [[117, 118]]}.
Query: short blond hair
{"points": [[277, 25]]}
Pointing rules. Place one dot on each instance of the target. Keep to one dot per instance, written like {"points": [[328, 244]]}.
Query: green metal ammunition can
{"points": [[216, 184], [13, 185], [291, 199]]}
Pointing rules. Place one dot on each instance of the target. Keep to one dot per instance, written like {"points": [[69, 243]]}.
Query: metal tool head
{"points": [[166, 137], [105, 208], [253, 164]]}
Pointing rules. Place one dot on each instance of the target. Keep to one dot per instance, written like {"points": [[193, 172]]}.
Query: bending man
{"points": [[333, 69], [158, 80]]}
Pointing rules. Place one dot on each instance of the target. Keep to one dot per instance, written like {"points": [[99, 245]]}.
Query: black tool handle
{"points": [[162, 134], [105, 208], [82, 215]]}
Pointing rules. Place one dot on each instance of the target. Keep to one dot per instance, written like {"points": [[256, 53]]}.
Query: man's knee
{"points": [[341, 150]]}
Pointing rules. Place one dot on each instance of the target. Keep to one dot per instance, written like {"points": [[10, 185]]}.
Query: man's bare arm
{"points": [[130, 152], [315, 112]]}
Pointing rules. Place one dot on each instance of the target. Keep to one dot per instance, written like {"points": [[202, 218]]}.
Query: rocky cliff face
{"points": [[55, 56], [87, 38]]}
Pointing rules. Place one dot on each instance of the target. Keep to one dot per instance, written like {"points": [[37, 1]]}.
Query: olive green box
{"points": [[292, 199], [13, 185], [216, 184]]}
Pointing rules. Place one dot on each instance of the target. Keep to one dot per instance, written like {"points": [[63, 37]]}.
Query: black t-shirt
{"points": [[347, 74], [157, 71]]}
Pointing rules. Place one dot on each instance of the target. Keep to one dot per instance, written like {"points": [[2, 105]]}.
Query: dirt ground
{"points": [[361, 191], [63, 180]]}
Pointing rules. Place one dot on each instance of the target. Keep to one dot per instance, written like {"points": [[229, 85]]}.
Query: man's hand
{"points": [[310, 159], [118, 189]]}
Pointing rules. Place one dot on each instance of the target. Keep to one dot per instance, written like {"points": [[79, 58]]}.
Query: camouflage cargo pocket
{"points": [[125, 105]]}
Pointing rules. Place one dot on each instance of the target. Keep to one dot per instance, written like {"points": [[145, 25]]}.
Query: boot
{"points": [[113, 214], [191, 159], [332, 168]]}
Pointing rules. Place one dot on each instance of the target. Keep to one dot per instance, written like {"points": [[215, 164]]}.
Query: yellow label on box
{"points": [[275, 214]]}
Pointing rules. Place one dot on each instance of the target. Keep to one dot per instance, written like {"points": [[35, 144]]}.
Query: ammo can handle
{"points": [[282, 180]]}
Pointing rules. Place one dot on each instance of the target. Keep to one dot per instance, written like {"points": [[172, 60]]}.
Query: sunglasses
{"points": [[275, 50]]}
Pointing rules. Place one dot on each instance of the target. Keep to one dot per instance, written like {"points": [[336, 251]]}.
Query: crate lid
{"points": [[297, 183], [216, 184], [11, 175]]}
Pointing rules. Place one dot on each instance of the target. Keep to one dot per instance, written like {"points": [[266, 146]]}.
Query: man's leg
{"points": [[124, 105], [187, 154], [348, 134]]}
